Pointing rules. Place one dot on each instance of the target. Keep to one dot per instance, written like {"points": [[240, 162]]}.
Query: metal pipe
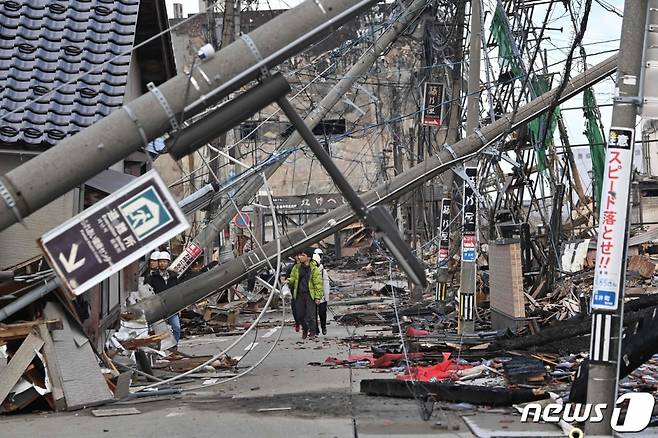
{"points": [[29, 298]]}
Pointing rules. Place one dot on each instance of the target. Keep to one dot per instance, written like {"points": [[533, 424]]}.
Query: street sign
{"points": [[432, 104], [113, 233], [611, 242], [468, 248], [469, 217], [313, 203], [192, 251], [242, 220], [444, 231]]}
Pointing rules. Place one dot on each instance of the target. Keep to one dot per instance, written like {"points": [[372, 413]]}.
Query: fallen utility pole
{"points": [[76, 159], [205, 195], [610, 271], [225, 275], [234, 111], [478, 395]]}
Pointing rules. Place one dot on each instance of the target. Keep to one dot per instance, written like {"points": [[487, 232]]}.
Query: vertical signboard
{"points": [[432, 104], [469, 217], [611, 243], [191, 252], [444, 231], [113, 233]]}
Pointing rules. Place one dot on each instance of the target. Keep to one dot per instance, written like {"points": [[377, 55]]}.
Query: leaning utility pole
{"points": [[469, 199], [610, 272], [360, 68], [78, 158], [451, 136], [228, 36], [172, 300]]}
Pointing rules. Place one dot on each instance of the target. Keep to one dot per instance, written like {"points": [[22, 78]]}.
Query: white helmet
{"points": [[318, 251], [155, 255], [164, 255]]}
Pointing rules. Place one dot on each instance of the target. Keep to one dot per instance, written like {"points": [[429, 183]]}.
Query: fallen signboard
{"points": [[113, 233]]}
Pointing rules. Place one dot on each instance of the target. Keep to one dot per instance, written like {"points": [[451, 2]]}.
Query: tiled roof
{"points": [[45, 43]]}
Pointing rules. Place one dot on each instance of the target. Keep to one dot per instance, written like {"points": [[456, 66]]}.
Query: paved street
{"points": [[320, 400]]}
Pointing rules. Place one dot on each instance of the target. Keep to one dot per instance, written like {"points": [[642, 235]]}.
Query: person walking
{"points": [[162, 280], [293, 301], [322, 307], [306, 283]]}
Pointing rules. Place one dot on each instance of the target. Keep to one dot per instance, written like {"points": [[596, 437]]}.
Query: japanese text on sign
{"points": [[433, 102], [444, 230], [611, 243], [113, 233]]}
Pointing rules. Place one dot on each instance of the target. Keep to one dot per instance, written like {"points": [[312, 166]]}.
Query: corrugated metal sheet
{"points": [[44, 44]]}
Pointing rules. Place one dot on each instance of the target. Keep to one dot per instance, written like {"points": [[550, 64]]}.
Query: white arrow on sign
{"points": [[71, 264]]}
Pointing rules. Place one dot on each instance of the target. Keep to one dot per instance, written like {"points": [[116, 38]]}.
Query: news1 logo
{"points": [[639, 407]]}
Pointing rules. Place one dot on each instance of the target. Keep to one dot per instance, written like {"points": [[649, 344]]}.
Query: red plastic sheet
{"points": [[442, 371]]}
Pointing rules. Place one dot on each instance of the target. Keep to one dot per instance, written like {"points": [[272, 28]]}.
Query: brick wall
{"points": [[506, 279]]}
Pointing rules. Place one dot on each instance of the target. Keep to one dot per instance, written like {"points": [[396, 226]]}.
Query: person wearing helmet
{"points": [[322, 307], [153, 266], [162, 280]]}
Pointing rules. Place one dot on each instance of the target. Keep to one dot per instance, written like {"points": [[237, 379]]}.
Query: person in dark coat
{"points": [[162, 280]]}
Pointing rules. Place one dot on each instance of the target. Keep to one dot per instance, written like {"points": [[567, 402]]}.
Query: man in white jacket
{"points": [[322, 307]]}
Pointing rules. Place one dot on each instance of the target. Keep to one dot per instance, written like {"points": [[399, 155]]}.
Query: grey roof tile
{"points": [[45, 44]]}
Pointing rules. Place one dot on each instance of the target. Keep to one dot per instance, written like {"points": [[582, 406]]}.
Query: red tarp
{"points": [[441, 371]]}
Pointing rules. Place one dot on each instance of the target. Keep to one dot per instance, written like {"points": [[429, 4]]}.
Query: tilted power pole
{"points": [[76, 159], [178, 297], [358, 70]]}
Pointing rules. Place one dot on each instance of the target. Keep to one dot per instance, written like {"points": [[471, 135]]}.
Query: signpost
{"points": [[113, 233], [191, 252], [242, 220], [432, 104], [611, 244], [308, 203], [444, 232], [469, 254]]}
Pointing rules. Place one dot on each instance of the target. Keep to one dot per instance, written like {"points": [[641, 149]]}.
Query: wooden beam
{"points": [[20, 330], [54, 375], [18, 363]]}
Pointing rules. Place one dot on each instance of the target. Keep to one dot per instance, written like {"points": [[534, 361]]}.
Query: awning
{"points": [[109, 181]]}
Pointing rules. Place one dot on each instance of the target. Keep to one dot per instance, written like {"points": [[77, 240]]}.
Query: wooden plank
{"points": [[82, 380], [54, 374], [114, 412], [18, 363], [9, 332]]}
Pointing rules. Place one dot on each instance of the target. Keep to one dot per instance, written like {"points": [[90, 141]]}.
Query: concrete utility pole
{"points": [[192, 138], [452, 135], [178, 297], [610, 273], [469, 206], [76, 159], [226, 251]]}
